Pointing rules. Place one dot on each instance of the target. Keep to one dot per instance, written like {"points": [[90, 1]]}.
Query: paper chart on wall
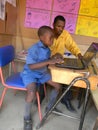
{"points": [[13, 2], [67, 6], [36, 18], [39, 4], [70, 21], [89, 8], [2, 9], [87, 26]]}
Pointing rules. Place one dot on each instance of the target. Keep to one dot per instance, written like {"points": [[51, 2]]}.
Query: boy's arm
{"points": [[71, 45], [80, 56], [45, 63], [38, 65]]}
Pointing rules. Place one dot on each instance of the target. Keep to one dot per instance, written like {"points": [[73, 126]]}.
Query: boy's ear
{"points": [[41, 37]]}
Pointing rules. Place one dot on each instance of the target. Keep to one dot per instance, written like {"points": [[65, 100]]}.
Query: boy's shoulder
{"points": [[34, 45], [65, 32]]}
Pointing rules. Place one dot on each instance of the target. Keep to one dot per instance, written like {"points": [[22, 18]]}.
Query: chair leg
{"points": [[39, 106], [42, 92], [2, 96], [39, 101], [96, 124], [45, 90]]}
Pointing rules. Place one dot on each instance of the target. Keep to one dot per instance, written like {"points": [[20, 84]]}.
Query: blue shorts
{"points": [[35, 78]]}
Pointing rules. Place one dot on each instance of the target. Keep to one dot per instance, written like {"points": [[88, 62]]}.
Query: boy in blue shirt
{"points": [[36, 70]]}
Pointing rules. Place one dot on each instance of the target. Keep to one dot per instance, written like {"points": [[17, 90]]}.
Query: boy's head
{"points": [[59, 24], [46, 35]]}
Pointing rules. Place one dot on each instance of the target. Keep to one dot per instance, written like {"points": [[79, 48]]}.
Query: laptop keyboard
{"points": [[72, 62]]}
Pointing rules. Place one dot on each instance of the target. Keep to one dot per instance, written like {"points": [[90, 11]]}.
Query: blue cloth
{"points": [[36, 53]]}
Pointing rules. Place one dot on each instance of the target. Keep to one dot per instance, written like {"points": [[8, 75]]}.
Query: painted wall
{"points": [[23, 37]]}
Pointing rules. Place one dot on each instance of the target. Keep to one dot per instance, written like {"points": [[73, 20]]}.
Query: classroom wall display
{"points": [[42, 12], [87, 26], [13, 2], [87, 22], [36, 18], [2, 7], [89, 8], [81, 15], [39, 4], [66, 6]]}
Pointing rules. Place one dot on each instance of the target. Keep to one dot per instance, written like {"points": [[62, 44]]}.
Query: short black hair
{"points": [[59, 17], [43, 29]]}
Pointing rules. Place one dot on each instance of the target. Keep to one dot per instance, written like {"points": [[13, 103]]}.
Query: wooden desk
{"points": [[65, 76], [94, 93], [68, 76]]}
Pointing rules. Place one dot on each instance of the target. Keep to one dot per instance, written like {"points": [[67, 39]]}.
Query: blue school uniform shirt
{"points": [[36, 53]]}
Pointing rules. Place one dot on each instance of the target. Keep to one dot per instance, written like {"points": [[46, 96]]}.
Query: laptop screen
{"points": [[91, 52]]}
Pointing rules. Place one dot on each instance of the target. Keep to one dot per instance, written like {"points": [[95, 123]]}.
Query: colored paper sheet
{"points": [[39, 4], [2, 9], [87, 26], [89, 8], [36, 18], [70, 21], [13, 2], [67, 6]]}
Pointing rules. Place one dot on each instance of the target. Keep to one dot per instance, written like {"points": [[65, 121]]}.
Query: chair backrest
{"points": [[7, 54]]}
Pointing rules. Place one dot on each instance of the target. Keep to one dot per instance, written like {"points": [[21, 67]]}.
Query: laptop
{"points": [[74, 63]]}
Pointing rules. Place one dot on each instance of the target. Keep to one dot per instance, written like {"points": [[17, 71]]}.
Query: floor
{"points": [[12, 110]]}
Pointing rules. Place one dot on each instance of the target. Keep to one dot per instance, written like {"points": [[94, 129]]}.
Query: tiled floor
{"points": [[12, 110]]}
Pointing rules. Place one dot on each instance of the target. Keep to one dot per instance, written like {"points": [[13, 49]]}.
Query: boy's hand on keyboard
{"points": [[57, 56], [56, 60], [80, 56]]}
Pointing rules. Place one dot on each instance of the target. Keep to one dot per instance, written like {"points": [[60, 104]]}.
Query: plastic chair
{"points": [[13, 80]]}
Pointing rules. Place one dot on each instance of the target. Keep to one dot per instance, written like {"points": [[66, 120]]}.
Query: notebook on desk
{"points": [[73, 63]]}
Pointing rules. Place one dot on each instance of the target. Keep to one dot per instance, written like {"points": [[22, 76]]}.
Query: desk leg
{"points": [[68, 88], [84, 109]]}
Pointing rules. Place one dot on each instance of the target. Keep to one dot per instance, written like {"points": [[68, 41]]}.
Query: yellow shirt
{"points": [[64, 41]]}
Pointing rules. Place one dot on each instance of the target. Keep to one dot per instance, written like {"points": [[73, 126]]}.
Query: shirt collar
{"points": [[62, 35], [41, 45]]}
